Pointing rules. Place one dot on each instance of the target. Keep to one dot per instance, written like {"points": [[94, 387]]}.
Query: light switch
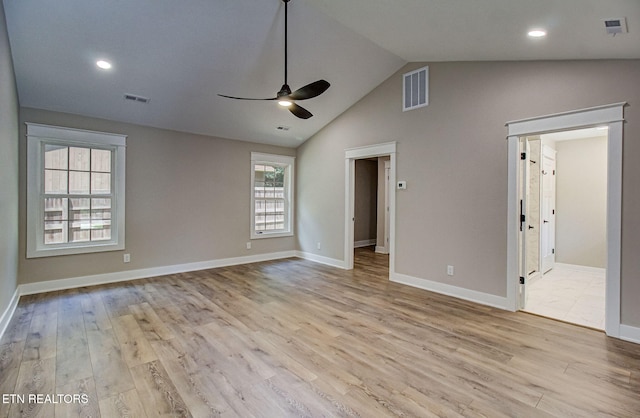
{"points": [[402, 185]]}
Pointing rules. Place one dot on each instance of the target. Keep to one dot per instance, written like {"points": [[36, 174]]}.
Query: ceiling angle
{"points": [[285, 97]]}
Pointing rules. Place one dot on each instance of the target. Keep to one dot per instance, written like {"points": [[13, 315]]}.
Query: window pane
{"points": [[55, 157], [259, 173], [269, 221], [100, 230], [79, 182], [80, 231], [100, 204], [101, 160], [100, 183], [260, 222], [79, 158], [279, 175], [101, 209], [55, 181], [55, 209], [79, 209], [54, 232]]}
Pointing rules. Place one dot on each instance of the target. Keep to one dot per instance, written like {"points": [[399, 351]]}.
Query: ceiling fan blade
{"points": [[245, 98], [310, 90], [299, 111]]}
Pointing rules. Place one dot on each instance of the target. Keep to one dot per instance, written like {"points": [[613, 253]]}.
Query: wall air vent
{"points": [[615, 26], [416, 89], [134, 98]]}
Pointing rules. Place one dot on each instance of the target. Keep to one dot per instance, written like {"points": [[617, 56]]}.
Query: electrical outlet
{"points": [[249, 245], [449, 270], [126, 258], [318, 246]]}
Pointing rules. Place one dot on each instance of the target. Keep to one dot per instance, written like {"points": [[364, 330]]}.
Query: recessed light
{"points": [[105, 65], [537, 33]]}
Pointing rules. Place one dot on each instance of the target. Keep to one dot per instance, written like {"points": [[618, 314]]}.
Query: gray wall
{"points": [[187, 197], [453, 154], [8, 171], [366, 189], [581, 202]]}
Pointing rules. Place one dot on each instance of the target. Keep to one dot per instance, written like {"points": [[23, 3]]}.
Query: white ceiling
{"points": [[181, 54]]}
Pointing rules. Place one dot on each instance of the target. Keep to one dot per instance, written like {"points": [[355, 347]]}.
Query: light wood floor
{"points": [[294, 338]]}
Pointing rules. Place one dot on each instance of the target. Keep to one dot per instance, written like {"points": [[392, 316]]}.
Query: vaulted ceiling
{"points": [[181, 54]]}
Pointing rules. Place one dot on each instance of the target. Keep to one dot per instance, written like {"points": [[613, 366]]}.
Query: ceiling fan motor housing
{"points": [[285, 90]]}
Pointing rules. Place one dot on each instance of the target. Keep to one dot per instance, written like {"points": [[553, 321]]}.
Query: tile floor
{"points": [[569, 293]]}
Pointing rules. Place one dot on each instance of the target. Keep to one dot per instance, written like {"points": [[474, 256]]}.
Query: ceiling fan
{"points": [[285, 97]]}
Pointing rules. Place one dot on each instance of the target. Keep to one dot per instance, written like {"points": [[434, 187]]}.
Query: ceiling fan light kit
{"points": [[285, 97]]}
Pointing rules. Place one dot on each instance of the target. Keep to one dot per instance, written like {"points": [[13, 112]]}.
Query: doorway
{"points": [[565, 216], [351, 155], [371, 220], [611, 116]]}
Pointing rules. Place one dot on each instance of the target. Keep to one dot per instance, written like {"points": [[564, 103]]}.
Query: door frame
{"points": [[611, 115], [350, 157], [387, 215], [552, 227]]}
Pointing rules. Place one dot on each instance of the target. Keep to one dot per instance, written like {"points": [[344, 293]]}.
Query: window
{"points": [[271, 195], [75, 191]]}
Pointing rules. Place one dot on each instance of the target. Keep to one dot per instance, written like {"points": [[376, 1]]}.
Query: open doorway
{"points": [[351, 156], [612, 116], [565, 233], [371, 210]]}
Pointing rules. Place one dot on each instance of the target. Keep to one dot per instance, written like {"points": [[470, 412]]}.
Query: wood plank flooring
{"points": [[295, 338]]}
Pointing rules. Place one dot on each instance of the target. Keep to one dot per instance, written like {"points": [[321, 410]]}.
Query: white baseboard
{"points": [[364, 243], [629, 333], [8, 313], [449, 290], [71, 283], [381, 250], [321, 259], [586, 269]]}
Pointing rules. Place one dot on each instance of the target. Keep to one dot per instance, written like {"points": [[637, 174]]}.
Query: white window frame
{"points": [[258, 158], [37, 136]]}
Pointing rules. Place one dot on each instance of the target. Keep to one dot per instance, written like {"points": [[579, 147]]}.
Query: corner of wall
{"points": [[9, 193]]}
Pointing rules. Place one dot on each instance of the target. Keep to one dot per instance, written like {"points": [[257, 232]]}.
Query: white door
{"points": [[548, 209], [522, 235]]}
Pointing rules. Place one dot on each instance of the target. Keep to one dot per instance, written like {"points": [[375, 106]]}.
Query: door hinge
{"points": [[521, 280], [554, 172], [553, 211], [523, 155], [553, 251]]}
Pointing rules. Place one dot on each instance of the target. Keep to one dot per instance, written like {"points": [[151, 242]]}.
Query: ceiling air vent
{"points": [[416, 89], [615, 26], [283, 128], [134, 98]]}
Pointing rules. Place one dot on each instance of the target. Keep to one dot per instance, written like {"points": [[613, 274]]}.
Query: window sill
{"points": [[255, 235], [80, 249]]}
